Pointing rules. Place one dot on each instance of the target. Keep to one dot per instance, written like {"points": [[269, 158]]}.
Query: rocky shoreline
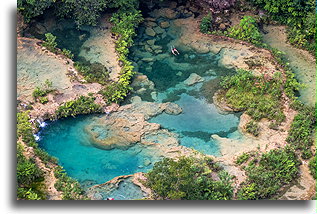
{"points": [[128, 124]]}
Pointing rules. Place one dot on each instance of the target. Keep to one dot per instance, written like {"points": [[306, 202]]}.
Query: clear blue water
{"points": [[126, 190], [67, 140], [198, 121]]}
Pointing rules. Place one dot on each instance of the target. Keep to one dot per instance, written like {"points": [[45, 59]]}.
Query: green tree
{"points": [[190, 179], [247, 30]]}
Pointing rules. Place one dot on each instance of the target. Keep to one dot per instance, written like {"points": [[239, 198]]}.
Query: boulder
{"points": [[158, 30], [135, 99], [173, 108], [165, 24], [222, 26], [150, 32], [193, 79], [148, 59], [156, 47], [150, 42], [154, 95], [148, 48], [158, 51], [179, 73], [150, 24]]}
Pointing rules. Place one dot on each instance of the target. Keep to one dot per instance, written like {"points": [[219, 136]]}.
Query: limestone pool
{"points": [[189, 80]]}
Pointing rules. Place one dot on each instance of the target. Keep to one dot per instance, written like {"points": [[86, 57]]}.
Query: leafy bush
{"points": [[83, 105], [70, 187], [298, 15], [50, 42], [268, 173], [84, 12], [253, 128], [190, 179], [242, 158], [39, 93], [93, 72], [312, 167], [115, 92], [29, 177], [67, 53], [247, 30], [301, 133], [205, 25], [125, 23], [258, 96], [33, 8]]}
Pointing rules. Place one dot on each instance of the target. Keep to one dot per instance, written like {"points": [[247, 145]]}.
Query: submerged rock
{"points": [[165, 24], [150, 32], [150, 42], [124, 128], [193, 79], [158, 30], [173, 108]]}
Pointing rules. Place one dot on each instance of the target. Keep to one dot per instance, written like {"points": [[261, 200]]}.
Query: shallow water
{"points": [[300, 61], [67, 140], [126, 190]]}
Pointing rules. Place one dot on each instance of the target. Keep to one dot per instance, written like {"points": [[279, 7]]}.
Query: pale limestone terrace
{"points": [[35, 66]]}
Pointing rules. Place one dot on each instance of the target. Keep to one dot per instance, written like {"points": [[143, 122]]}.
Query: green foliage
{"points": [[125, 23], [29, 177], [51, 45], [33, 8], [268, 173], [84, 12], [247, 30], [298, 15], [24, 127], [301, 133], [189, 179], [50, 42], [93, 72], [115, 92], [83, 105], [70, 187], [39, 93], [253, 128], [243, 158], [312, 167], [206, 24], [258, 96], [67, 53]]}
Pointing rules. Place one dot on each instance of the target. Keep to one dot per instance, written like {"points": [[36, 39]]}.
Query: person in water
{"points": [[174, 50]]}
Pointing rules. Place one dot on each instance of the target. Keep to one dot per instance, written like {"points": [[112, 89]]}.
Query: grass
{"points": [[259, 97]]}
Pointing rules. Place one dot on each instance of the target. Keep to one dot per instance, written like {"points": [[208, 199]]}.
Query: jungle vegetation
{"points": [[267, 173], [30, 178], [82, 105], [189, 178]]}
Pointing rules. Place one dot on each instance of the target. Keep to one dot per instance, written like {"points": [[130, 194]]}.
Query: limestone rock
{"points": [[150, 41], [173, 108], [148, 59], [222, 26], [150, 24], [150, 32], [193, 79], [164, 24], [136, 99], [154, 95], [158, 30]]}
